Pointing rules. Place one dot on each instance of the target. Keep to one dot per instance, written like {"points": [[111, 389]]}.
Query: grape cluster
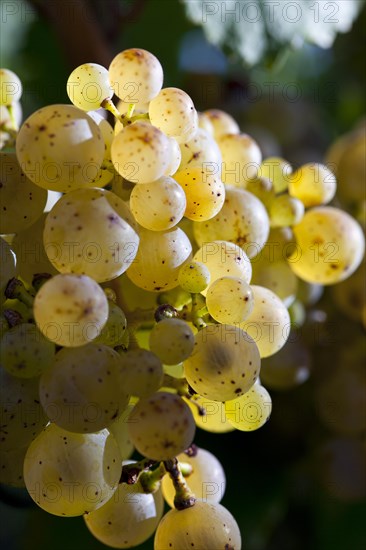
{"points": [[141, 304]]}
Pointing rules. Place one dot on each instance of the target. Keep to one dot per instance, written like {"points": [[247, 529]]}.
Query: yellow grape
{"points": [[229, 300], [194, 277], [10, 87], [214, 419], [276, 276], [250, 411], [173, 112], [142, 371], [222, 123], [285, 211], [200, 150], [278, 171], [241, 158], [88, 85], [313, 184], [172, 340]]}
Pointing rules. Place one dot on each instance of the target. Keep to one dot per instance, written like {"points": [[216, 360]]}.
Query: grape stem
{"points": [[13, 318], [16, 289], [150, 479], [184, 498], [131, 472]]}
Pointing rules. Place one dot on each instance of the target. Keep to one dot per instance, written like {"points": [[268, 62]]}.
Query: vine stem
{"points": [[184, 498]]}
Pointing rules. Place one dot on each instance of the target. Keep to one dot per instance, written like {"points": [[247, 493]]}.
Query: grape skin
{"points": [[229, 300], [142, 372], [250, 411], [241, 158], [173, 112], [214, 420], [172, 340], [194, 277], [7, 267], [278, 170], [88, 85], [313, 184], [10, 87], [222, 123]]}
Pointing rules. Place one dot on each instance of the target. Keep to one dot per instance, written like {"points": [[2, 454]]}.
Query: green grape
{"points": [[222, 123], [22, 417], [130, 297], [70, 474], [10, 86], [30, 252], [173, 112], [278, 171], [241, 158], [203, 526], [11, 467], [25, 352], [229, 300], [175, 157], [330, 246], [214, 419], [143, 372], [84, 390], [201, 149], [263, 189], [207, 480], [161, 426], [136, 76], [70, 310], [204, 191], [224, 364], [22, 202], [91, 232], [194, 277], [59, 147], [119, 428], [313, 184], [285, 211], [128, 519], [276, 276], [159, 258], [242, 220], [88, 86], [269, 322], [113, 331], [141, 153], [172, 340], [288, 368], [159, 205], [224, 259], [7, 267], [250, 411]]}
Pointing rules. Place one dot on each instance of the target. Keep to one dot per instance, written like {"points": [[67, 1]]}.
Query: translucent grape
{"points": [[242, 220], [313, 184], [280, 244], [141, 153], [22, 417], [224, 259], [241, 158], [161, 426], [70, 310], [69, 474], [172, 340], [330, 246], [229, 300], [88, 85], [207, 479], [276, 276], [7, 267], [173, 112], [11, 467], [201, 149], [22, 202], [159, 258], [10, 86], [222, 122], [143, 372], [136, 76], [205, 193], [106, 130], [214, 419], [84, 390], [278, 171], [59, 147], [91, 232], [175, 157], [269, 322], [113, 331], [203, 526], [119, 428], [263, 189], [285, 211], [224, 364], [25, 352], [159, 205], [128, 519], [250, 411], [194, 277], [205, 123], [131, 296]]}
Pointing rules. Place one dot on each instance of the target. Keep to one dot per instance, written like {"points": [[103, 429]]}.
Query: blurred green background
{"points": [[299, 482]]}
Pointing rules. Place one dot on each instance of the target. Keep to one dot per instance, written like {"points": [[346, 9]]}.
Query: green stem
{"points": [[150, 480], [130, 110], [108, 105], [16, 289], [184, 498], [199, 310], [131, 472]]}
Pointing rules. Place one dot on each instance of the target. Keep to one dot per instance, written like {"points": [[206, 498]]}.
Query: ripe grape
{"points": [[278, 171], [84, 390], [161, 426], [199, 151], [276, 276], [207, 479], [10, 86], [143, 372], [11, 466], [224, 364], [7, 267], [91, 232], [250, 411], [159, 205], [175, 157], [70, 310], [241, 158], [203, 526], [59, 147], [173, 112], [25, 352], [172, 340], [313, 184], [194, 277], [214, 419], [70, 474], [22, 202], [88, 85], [285, 211], [113, 331], [229, 300], [119, 428], [263, 189], [222, 123]]}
